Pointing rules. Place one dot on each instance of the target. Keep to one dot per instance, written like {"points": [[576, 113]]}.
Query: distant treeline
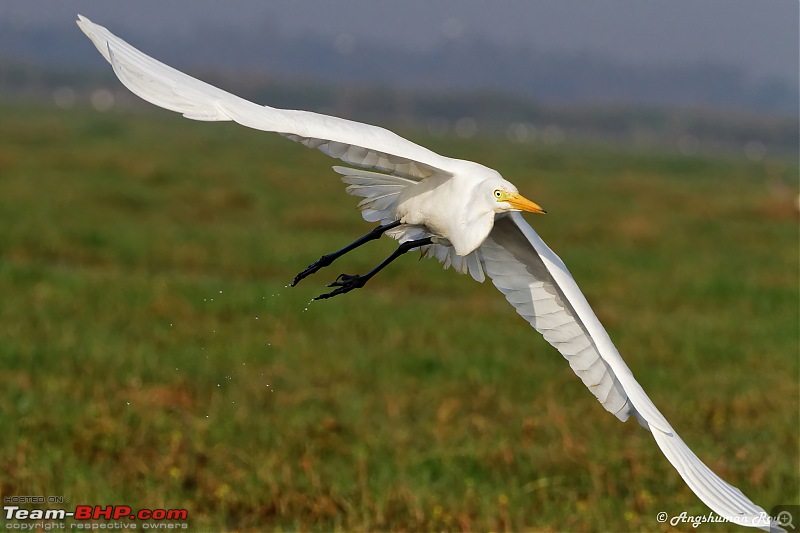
{"points": [[461, 113]]}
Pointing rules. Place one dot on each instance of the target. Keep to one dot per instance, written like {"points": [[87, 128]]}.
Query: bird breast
{"points": [[445, 206]]}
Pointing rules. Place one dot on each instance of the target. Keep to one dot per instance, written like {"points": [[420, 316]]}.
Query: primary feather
{"points": [[532, 278]]}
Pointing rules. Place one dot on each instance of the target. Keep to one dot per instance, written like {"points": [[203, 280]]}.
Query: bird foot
{"points": [[344, 283], [322, 262]]}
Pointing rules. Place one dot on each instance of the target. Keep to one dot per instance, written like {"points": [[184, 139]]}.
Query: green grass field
{"points": [[152, 355]]}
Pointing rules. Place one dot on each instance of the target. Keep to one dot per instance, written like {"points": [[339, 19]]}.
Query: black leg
{"points": [[326, 260], [345, 283]]}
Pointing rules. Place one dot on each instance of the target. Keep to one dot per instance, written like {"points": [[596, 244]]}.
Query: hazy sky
{"points": [[760, 36]]}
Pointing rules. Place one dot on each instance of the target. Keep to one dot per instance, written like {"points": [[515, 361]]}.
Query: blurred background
{"points": [[151, 354], [687, 76]]}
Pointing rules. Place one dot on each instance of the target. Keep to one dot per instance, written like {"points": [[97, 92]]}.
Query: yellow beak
{"points": [[518, 201]]}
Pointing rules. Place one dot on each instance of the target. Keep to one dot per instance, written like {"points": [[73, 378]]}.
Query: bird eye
{"points": [[498, 193]]}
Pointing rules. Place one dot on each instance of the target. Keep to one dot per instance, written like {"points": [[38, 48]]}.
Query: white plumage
{"points": [[449, 201]]}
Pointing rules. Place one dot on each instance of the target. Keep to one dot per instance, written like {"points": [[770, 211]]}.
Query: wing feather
{"points": [[541, 289], [515, 269], [353, 142]]}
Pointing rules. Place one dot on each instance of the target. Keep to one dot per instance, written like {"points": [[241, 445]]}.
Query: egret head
{"points": [[505, 197]]}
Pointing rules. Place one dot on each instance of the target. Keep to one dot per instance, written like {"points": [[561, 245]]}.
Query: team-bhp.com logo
{"points": [[123, 514]]}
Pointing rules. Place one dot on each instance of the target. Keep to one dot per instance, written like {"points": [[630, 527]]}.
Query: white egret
{"points": [[463, 214]]}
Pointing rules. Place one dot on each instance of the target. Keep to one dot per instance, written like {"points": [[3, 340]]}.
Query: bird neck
{"points": [[473, 232]]}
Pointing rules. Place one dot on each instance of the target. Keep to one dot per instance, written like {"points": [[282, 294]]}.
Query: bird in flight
{"points": [[459, 212]]}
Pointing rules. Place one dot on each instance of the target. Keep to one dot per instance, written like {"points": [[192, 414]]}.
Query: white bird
{"points": [[463, 214]]}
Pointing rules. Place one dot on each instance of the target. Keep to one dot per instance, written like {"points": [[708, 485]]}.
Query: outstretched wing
{"points": [[401, 162], [353, 142], [536, 282]]}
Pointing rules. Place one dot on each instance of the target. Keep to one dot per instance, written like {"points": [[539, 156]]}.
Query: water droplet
{"points": [[256, 317], [212, 299], [217, 384], [129, 403], [220, 292], [206, 416]]}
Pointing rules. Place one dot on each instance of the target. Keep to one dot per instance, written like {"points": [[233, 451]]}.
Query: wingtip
{"points": [[84, 24]]}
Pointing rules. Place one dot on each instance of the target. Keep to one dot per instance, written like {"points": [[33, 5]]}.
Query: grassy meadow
{"points": [[152, 356]]}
